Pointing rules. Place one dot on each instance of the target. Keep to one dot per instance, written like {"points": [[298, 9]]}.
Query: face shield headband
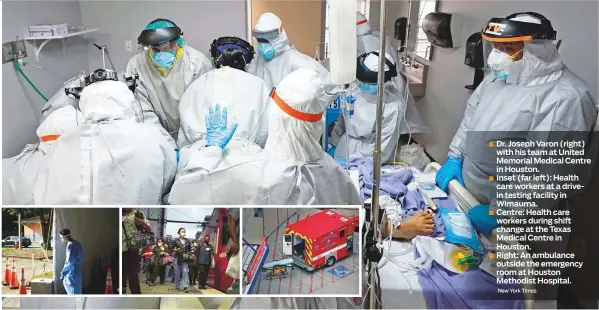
{"points": [[368, 76]]}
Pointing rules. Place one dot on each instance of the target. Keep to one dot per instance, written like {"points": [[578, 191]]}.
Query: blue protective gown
{"points": [[71, 274]]}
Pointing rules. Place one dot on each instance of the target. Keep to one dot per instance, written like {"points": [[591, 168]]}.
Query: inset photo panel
{"points": [[181, 250], [60, 251], [301, 251]]}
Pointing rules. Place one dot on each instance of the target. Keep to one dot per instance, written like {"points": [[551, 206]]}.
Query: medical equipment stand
{"points": [[377, 148]]}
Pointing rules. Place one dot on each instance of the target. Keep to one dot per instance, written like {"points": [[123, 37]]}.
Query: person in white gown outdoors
{"points": [[292, 169]]}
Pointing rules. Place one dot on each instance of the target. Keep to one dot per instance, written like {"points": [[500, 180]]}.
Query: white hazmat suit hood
{"points": [[368, 39], [286, 58], [19, 172], [292, 170], [295, 129], [110, 158]]}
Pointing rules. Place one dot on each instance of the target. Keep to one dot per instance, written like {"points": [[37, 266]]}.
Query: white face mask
{"points": [[499, 61]]}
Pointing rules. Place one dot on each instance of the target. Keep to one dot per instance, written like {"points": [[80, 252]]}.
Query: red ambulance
{"points": [[321, 239]]}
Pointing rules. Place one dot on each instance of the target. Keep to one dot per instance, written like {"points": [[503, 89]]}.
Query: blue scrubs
{"points": [[71, 274]]}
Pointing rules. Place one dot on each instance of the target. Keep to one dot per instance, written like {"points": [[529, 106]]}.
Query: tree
{"points": [[45, 218]]}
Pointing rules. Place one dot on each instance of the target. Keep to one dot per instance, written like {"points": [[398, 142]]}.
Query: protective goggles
{"points": [[504, 30], [157, 37], [268, 35], [368, 76], [222, 44], [302, 116]]}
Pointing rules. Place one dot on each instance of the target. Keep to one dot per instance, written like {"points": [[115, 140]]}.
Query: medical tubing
{"points": [[18, 66]]}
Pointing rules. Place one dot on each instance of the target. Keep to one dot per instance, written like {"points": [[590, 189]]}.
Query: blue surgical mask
{"points": [[368, 88], [267, 50], [164, 59]]}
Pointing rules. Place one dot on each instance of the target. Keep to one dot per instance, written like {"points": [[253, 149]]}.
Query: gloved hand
{"points": [[331, 151], [216, 128], [341, 161], [178, 153], [451, 169], [481, 219]]}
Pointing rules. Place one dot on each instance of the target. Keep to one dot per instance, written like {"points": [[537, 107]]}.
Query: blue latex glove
{"points": [[178, 155], [481, 219], [331, 151], [216, 128], [451, 169], [341, 161]]}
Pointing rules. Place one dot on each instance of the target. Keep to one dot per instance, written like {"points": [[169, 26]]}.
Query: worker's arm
{"points": [[390, 129], [338, 130], [233, 218], [69, 263]]}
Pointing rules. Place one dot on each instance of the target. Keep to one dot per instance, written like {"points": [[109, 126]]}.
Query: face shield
{"points": [[160, 35], [506, 39], [367, 71]]}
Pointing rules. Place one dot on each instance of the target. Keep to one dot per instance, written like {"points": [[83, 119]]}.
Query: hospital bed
{"points": [[401, 288]]}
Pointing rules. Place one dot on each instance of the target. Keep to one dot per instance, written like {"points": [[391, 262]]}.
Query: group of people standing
{"points": [[191, 262]]}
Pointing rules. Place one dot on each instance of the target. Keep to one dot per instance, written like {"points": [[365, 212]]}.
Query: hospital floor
{"points": [[344, 279]]}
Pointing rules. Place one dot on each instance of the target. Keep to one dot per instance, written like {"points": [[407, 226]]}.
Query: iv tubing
{"points": [[29, 81]]}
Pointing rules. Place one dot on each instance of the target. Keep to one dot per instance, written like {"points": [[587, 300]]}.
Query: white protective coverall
{"points": [[292, 169], [286, 59], [244, 95], [18, 172], [110, 159], [357, 134], [159, 95]]}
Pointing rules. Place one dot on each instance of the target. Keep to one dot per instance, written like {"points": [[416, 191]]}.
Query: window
{"points": [[342, 234], [423, 46], [287, 238], [363, 7]]}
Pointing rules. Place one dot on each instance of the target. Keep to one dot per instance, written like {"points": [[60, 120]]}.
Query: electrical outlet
{"points": [[129, 46], [13, 50]]}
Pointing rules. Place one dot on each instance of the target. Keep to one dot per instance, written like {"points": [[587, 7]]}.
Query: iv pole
{"points": [[377, 148]]}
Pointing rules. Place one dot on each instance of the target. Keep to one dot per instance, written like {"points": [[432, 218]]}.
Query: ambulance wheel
{"points": [[330, 261]]}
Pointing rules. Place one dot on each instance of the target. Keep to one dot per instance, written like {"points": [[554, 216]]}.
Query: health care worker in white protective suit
{"points": [[110, 158], [165, 70], [355, 136], [244, 95], [18, 172], [528, 94], [278, 58], [292, 169]]}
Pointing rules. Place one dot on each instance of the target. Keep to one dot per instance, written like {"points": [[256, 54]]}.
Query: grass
{"points": [[49, 274], [26, 253]]}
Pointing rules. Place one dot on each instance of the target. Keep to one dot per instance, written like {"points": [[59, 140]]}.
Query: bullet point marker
{"points": [[491, 178], [491, 212], [491, 144], [491, 255]]}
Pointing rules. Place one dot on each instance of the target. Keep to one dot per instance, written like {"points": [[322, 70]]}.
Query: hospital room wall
{"points": [[445, 101], [303, 20], [120, 21], [21, 105]]}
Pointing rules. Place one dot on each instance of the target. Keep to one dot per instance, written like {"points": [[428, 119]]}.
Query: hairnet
{"points": [[289, 137], [107, 100], [59, 122], [165, 24], [362, 24], [232, 55]]}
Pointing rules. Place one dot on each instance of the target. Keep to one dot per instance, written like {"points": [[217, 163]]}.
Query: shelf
{"points": [[63, 38]]}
